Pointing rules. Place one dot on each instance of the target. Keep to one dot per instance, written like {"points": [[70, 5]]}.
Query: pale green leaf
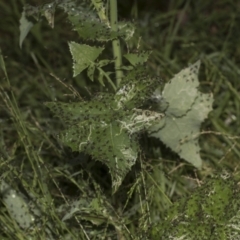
{"points": [[83, 56], [183, 119], [90, 27], [181, 134], [181, 91], [109, 144], [75, 112], [92, 130]]}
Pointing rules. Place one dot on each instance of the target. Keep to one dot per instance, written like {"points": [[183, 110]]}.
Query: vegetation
{"points": [[125, 143]]}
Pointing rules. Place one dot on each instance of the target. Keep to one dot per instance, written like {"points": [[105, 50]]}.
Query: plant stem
{"points": [[108, 78], [116, 42]]}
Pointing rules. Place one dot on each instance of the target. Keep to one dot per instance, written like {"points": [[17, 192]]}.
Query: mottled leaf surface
{"points": [[135, 88], [107, 127], [83, 56], [185, 110], [181, 91]]}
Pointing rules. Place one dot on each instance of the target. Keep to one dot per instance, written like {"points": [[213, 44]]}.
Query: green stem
{"points": [[116, 42], [108, 78]]}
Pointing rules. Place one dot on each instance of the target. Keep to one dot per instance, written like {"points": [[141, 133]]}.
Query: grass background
{"points": [[179, 33]]}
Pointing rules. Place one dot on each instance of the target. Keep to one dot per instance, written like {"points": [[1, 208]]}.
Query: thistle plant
{"points": [[108, 126]]}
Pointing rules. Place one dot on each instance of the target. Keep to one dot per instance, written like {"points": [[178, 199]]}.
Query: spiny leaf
{"points": [[106, 130], [183, 118], [85, 21], [181, 134], [89, 26], [76, 112], [181, 91], [46, 10], [92, 130], [135, 88], [108, 143], [83, 56], [137, 58]]}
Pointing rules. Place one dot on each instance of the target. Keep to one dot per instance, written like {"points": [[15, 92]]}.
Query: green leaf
{"points": [[108, 126], [25, 27], [208, 213], [92, 130], [89, 26], [184, 116], [135, 88], [91, 122], [137, 58], [76, 112], [181, 91], [83, 56], [181, 134], [105, 129]]}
